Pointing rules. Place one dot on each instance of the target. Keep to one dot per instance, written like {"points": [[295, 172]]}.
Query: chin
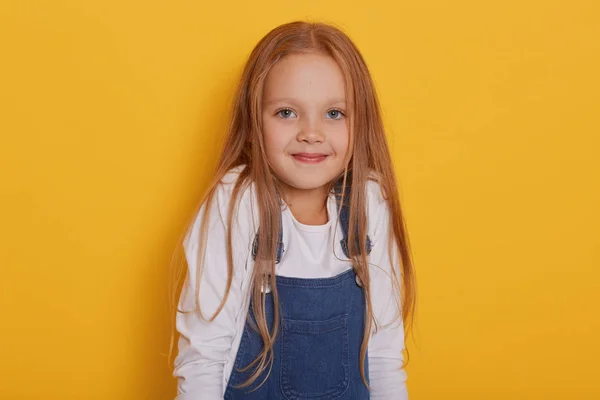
{"points": [[309, 182], [307, 185]]}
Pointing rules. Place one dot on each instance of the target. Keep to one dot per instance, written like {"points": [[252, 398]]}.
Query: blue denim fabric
{"points": [[345, 216], [316, 353]]}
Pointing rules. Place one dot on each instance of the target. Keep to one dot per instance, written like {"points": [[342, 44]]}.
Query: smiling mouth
{"points": [[309, 158]]}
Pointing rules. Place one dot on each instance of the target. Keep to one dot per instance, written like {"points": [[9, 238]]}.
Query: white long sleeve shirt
{"points": [[207, 350]]}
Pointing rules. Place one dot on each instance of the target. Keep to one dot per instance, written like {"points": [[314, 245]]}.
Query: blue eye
{"points": [[285, 113], [335, 114]]}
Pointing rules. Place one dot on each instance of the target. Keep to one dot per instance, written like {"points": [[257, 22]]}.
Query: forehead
{"points": [[310, 77]]}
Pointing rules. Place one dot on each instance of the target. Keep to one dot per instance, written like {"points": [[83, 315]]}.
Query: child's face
{"points": [[305, 120]]}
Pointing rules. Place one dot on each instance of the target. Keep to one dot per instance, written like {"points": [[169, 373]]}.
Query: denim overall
{"points": [[317, 350]]}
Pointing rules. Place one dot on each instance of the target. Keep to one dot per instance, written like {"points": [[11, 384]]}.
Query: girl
{"points": [[299, 282]]}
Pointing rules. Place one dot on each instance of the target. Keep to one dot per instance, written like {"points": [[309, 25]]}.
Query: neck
{"points": [[309, 206]]}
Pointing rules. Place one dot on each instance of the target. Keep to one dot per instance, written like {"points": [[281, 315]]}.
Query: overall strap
{"points": [[280, 247], [345, 215]]}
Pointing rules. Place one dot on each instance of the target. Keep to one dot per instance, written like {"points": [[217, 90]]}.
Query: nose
{"points": [[311, 132]]}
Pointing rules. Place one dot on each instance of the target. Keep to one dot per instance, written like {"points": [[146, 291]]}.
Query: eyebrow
{"points": [[290, 100]]}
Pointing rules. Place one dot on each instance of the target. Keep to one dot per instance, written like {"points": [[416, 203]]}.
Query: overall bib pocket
{"points": [[314, 358]]}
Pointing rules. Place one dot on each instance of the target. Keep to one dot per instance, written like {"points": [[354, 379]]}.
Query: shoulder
{"points": [[230, 179], [226, 186], [232, 175], [219, 209], [375, 191], [377, 203]]}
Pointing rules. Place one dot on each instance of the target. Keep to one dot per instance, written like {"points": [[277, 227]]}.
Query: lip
{"points": [[309, 158]]}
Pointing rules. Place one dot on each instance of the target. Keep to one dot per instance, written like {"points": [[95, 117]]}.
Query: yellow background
{"points": [[111, 114]]}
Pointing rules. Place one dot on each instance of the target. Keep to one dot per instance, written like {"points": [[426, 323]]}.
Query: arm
{"points": [[386, 375], [203, 347]]}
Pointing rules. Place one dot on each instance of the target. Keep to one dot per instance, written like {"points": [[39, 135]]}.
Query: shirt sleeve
{"points": [[387, 376], [203, 347]]}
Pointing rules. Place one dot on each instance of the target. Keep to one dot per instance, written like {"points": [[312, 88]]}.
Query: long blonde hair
{"points": [[244, 145]]}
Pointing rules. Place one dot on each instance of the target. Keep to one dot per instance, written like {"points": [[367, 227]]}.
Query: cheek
{"points": [[340, 141], [268, 132], [274, 144], [276, 134]]}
